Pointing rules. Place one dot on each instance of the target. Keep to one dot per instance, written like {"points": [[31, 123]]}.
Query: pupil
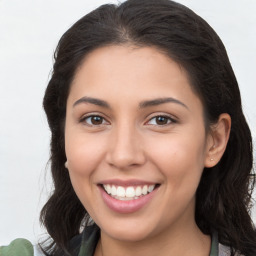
{"points": [[161, 120], [96, 120]]}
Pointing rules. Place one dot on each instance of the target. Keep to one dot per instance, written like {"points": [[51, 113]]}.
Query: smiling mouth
{"points": [[128, 193]]}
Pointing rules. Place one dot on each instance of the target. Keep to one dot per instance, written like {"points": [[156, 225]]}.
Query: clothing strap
{"points": [[215, 245]]}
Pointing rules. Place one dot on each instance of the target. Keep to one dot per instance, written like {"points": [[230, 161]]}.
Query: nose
{"points": [[125, 149]]}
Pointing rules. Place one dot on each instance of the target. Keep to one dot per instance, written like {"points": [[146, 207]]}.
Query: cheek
{"points": [[180, 157], [83, 152]]}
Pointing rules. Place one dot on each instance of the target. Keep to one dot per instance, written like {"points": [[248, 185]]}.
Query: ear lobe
{"points": [[217, 144]]}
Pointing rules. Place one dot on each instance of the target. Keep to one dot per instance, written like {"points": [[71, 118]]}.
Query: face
{"points": [[135, 142]]}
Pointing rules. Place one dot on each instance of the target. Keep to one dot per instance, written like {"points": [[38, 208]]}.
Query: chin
{"points": [[128, 232]]}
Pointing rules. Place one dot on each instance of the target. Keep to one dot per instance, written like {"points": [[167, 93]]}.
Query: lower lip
{"points": [[128, 206]]}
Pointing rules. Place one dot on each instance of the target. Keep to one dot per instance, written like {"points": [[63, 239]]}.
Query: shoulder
{"points": [[20, 247]]}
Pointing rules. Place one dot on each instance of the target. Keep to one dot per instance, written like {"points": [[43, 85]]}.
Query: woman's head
{"points": [[133, 122], [176, 32]]}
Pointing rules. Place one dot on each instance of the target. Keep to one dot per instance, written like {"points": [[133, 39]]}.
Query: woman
{"points": [[150, 150]]}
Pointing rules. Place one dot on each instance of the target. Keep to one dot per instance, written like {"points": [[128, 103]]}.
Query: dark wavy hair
{"points": [[223, 199]]}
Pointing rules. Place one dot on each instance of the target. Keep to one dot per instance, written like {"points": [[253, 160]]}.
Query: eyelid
{"points": [[97, 114], [168, 116], [106, 122]]}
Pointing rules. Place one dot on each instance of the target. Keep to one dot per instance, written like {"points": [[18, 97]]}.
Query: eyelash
{"points": [[167, 118], [104, 122], [84, 118]]}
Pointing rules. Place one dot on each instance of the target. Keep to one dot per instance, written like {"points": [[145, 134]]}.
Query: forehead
{"points": [[130, 72], [117, 59]]}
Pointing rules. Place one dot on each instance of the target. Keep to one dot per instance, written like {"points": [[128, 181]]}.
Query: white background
{"points": [[29, 32]]}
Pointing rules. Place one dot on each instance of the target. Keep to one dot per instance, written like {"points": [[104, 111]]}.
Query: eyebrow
{"points": [[143, 104], [94, 101], [159, 101]]}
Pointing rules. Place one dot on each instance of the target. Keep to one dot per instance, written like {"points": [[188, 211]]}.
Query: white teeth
{"points": [[138, 191], [145, 190], [128, 193], [151, 188], [120, 191], [113, 191], [108, 188]]}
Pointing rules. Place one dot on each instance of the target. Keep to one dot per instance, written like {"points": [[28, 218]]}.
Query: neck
{"points": [[187, 241]]}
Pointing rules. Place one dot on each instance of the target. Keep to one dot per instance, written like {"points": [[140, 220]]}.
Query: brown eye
{"points": [[161, 120], [94, 120]]}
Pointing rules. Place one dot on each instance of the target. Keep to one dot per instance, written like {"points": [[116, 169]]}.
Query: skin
{"points": [[127, 142]]}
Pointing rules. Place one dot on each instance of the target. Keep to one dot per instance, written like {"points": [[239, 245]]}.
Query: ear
{"points": [[217, 140]]}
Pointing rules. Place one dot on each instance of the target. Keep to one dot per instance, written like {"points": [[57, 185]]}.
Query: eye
{"points": [[94, 120], [161, 120]]}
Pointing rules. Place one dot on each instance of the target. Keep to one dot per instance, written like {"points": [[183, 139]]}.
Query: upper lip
{"points": [[130, 182]]}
